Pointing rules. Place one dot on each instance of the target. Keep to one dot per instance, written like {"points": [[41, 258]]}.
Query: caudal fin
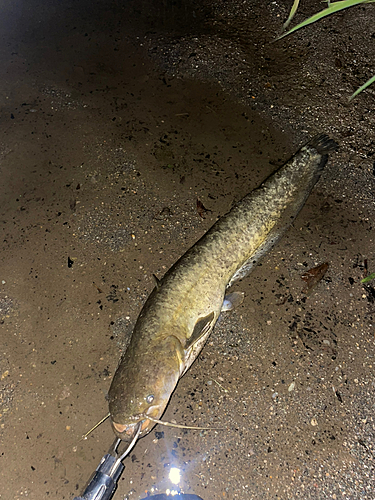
{"points": [[323, 144]]}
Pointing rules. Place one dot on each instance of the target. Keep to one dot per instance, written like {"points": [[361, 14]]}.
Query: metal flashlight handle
{"points": [[104, 480]]}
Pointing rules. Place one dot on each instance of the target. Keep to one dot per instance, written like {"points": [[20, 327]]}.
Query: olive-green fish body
{"points": [[182, 310]]}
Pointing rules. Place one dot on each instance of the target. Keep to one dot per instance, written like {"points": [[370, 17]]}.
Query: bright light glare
{"points": [[175, 475], [172, 493]]}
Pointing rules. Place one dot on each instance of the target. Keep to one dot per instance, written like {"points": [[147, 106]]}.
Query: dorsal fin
{"points": [[156, 281]]}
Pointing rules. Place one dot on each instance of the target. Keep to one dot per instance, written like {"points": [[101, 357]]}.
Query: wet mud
{"points": [[116, 117]]}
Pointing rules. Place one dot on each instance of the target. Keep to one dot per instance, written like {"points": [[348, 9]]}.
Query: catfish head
{"points": [[142, 386]]}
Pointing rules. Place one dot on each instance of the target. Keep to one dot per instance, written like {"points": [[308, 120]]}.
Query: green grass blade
{"points": [[331, 9], [364, 86], [368, 278], [292, 12]]}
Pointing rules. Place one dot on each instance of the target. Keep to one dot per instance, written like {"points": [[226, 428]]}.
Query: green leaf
{"points": [[364, 86], [331, 9], [368, 278], [292, 12]]}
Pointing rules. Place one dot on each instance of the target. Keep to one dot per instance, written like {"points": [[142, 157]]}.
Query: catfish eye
{"points": [[150, 399]]}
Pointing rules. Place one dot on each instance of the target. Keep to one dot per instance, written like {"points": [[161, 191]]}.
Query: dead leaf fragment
{"points": [[313, 276], [201, 209]]}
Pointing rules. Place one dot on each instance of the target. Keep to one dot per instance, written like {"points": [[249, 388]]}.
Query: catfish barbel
{"points": [[183, 308]]}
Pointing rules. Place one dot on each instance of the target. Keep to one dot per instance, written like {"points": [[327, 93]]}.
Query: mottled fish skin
{"points": [[182, 310]]}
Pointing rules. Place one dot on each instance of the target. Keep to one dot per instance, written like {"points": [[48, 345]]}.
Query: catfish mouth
{"points": [[126, 432]]}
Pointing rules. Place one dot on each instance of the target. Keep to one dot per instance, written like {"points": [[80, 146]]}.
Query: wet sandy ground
{"points": [[115, 118]]}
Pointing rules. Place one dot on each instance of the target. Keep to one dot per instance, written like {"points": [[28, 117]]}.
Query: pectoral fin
{"points": [[201, 327], [232, 300]]}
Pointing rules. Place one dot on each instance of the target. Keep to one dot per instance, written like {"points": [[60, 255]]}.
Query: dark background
{"points": [[115, 117]]}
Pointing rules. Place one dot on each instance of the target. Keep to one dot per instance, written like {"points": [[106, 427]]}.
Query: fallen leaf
{"points": [[201, 209], [313, 276]]}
